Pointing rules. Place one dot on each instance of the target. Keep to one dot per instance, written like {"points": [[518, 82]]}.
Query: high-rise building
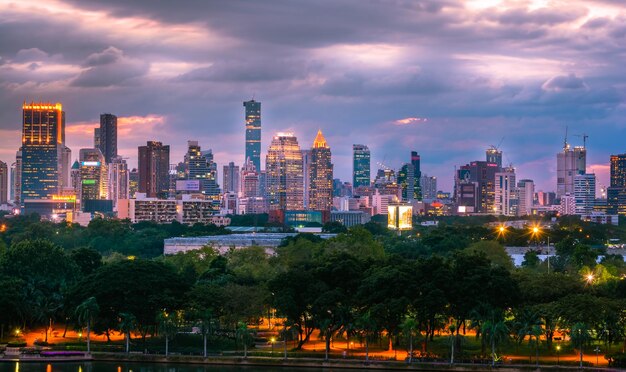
{"points": [[429, 187], [16, 179], [585, 192], [43, 145], [569, 163], [483, 174], [4, 183], [525, 197], [320, 175], [75, 178], [361, 166], [212, 188], [493, 155], [616, 193], [93, 175], [196, 165], [231, 178], [118, 179], [108, 136], [154, 163], [249, 181], [133, 183], [253, 133], [504, 192], [285, 178], [417, 175], [406, 181], [306, 169]]}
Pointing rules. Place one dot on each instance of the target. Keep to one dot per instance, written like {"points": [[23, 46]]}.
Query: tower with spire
{"points": [[320, 175]]}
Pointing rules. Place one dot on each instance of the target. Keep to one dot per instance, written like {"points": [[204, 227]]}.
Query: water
{"points": [[136, 367]]}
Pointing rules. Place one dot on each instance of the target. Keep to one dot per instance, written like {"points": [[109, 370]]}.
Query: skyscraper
{"points": [[493, 155], [320, 175], [16, 180], [43, 143], [230, 178], [108, 136], [154, 163], [133, 183], [569, 163], [93, 175], [211, 187], [525, 197], [616, 193], [417, 175], [306, 169], [4, 183], [360, 166], [118, 179], [406, 181], [253, 132], [285, 178], [483, 175], [249, 181], [429, 187], [196, 165]]}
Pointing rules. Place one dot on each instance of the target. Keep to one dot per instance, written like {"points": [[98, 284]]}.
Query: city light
{"points": [[589, 278]]}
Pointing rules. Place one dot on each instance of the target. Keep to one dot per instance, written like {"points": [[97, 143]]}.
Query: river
{"points": [[136, 367]]}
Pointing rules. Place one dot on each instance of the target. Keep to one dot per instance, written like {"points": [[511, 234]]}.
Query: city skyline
{"points": [[447, 79]]}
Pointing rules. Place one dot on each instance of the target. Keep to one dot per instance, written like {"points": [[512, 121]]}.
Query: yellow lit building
{"points": [[320, 175], [285, 177]]}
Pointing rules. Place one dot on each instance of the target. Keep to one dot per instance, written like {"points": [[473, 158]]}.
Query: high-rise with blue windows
{"points": [[360, 166], [253, 133], [43, 148]]}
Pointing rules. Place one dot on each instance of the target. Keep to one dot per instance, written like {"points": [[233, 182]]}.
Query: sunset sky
{"points": [[444, 78]]}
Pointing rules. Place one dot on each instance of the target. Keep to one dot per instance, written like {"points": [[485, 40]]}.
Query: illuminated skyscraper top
{"points": [[253, 133]]}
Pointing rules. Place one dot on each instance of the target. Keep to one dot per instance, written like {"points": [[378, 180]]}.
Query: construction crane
{"points": [[497, 147], [584, 137]]}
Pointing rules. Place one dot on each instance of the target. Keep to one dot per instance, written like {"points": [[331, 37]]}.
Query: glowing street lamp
{"points": [[589, 278], [558, 348], [272, 340]]}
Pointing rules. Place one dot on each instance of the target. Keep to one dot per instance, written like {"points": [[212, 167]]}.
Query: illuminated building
{"points": [[133, 183], [360, 166], [186, 210], [197, 166], [400, 217], [253, 132], [569, 163], [4, 183], [320, 175], [616, 193], [107, 133], [406, 181], [504, 192], [118, 179], [211, 188], [417, 176], [93, 175], [75, 177], [483, 175], [585, 193], [154, 163], [230, 178], [285, 178], [306, 169], [493, 155], [43, 146]]}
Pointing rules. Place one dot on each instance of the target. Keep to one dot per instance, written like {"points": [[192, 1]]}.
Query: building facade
{"points": [[285, 178], [320, 175], [154, 163], [108, 137], [253, 132], [504, 192], [360, 166], [569, 163], [230, 178], [4, 183], [525, 197], [585, 193], [93, 175], [616, 192]]}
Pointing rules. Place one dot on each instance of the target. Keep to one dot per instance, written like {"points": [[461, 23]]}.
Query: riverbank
{"points": [[348, 364]]}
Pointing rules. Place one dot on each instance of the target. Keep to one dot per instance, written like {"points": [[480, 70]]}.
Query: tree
{"points": [[579, 335], [127, 322], [409, 328], [87, 260], [334, 227], [494, 252], [245, 335], [496, 331], [85, 313], [168, 327], [367, 326], [528, 323]]}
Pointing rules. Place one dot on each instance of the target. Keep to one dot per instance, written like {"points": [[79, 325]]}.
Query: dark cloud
{"points": [[108, 68], [542, 16], [564, 82]]}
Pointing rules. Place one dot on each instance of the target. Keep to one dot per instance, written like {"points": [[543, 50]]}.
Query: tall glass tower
{"points": [[43, 143], [361, 166], [108, 136], [253, 133]]}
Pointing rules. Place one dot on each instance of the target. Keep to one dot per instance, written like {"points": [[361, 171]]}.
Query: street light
{"points": [[272, 340], [558, 348], [597, 350], [17, 332], [589, 278]]}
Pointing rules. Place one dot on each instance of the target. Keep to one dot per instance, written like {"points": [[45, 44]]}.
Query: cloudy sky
{"points": [[447, 78]]}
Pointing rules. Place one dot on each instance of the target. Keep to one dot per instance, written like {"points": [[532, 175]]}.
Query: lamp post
{"points": [[272, 340], [558, 348], [597, 350]]}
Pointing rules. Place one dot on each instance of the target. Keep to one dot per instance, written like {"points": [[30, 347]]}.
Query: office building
{"points": [[43, 147], [417, 176], [320, 175], [118, 179], [154, 163], [285, 178], [211, 188], [249, 181], [108, 136], [350, 218], [428, 185], [230, 178], [93, 175], [406, 182], [360, 166], [585, 193], [16, 180], [133, 183], [569, 163], [196, 166], [483, 174], [504, 192], [616, 192], [525, 197], [4, 183], [493, 155], [253, 132]]}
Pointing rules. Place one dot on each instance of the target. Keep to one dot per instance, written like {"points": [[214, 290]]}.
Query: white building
{"points": [[585, 193], [504, 191]]}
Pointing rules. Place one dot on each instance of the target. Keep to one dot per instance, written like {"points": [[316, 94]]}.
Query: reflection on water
{"points": [[136, 367]]}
